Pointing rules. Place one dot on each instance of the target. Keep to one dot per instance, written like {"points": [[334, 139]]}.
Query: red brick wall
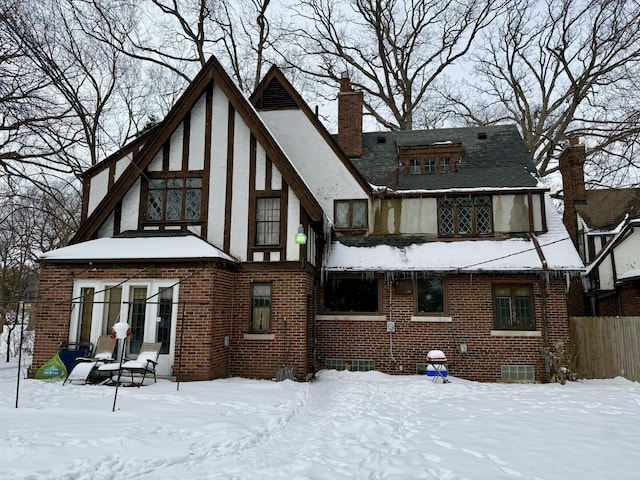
{"points": [[217, 304], [290, 295], [214, 304], [203, 294], [630, 300], [350, 122], [471, 308]]}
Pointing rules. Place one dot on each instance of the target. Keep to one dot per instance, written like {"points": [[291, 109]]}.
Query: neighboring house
{"points": [[604, 225], [414, 241]]}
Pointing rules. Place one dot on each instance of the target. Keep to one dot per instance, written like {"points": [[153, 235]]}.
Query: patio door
{"points": [[151, 317], [148, 306]]}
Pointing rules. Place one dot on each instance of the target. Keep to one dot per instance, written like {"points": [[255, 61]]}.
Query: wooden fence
{"points": [[606, 347]]}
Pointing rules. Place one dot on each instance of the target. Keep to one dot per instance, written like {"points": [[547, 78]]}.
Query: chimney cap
{"points": [[345, 75]]}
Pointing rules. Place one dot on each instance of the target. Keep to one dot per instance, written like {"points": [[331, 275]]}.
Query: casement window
{"points": [[444, 165], [261, 308], [430, 297], [350, 295], [350, 214], [174, 199], [146, 305], [465, 216], [267, 221], [513, 307]]}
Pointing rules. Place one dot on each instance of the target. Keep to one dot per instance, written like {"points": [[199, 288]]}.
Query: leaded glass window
{"points": [[351, 214], [174, 199], [468, 215]]}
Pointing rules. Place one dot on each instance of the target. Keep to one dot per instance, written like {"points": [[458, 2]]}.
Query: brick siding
{"points": [[471, 308], [216, 303]]}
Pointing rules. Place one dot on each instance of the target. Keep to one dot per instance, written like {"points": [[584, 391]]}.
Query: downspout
{"points": [[391, 330], [543, 293], [544, 283]]}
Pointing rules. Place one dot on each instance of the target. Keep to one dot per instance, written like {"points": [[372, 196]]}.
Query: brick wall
{"points": [[262, 357], [214, 304], [630, 300], [217, 304], [571, 163], [624, 302], [203, 294], [471, 308], [350, 119]]}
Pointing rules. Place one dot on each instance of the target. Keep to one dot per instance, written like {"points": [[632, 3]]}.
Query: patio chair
{"points": [[85, 367], [144, 364]]}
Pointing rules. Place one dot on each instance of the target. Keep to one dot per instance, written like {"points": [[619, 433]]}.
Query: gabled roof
{"points": [[606, 208], [212, 71], [275, 92], [629, 225], [492, 157]]}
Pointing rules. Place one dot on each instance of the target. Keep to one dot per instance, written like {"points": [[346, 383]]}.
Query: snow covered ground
{"points": [[342, 425]]}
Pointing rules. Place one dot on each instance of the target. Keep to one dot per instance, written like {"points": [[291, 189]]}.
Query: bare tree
{"points": [[177, 38], [31, 222], [243, 43], [562, 69], [395, 51]]}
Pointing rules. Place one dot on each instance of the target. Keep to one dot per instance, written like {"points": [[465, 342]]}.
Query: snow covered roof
{"points": [[619, 232], [630, 275], [175, 247], [511, 255]]}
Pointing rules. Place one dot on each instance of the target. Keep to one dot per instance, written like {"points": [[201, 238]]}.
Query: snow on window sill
{"points": [[516, 333], [259, 336], [368, 318], [427, 318]]}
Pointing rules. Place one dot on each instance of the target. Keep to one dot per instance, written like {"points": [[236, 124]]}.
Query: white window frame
{"points": [[153, 286]]}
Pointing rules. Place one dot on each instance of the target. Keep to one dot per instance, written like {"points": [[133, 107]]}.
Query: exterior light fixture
{"points": [[301, 237]]}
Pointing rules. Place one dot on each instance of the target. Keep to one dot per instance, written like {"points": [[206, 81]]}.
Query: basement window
{"points": [[517, 373]]}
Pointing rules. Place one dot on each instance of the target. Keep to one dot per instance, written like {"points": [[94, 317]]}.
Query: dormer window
{"points": [[414, 166], [437, 158], [430, 165]]}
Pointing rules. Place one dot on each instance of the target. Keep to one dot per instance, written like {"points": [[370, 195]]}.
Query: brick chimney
{"points": [[349, 118], [572, 161]]}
